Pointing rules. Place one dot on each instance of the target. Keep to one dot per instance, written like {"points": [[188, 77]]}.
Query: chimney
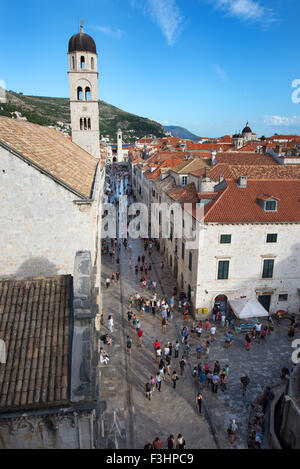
{"points": [[242, 182]]}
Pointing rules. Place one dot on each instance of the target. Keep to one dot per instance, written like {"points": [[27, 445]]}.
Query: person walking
{"points": [[199, 402], [263, 335], [175, 378], [245, 380], [202, 378], [232, 431], [170, 442], [176, 349], [110, 323], [215, 383], [182, 364], [140, 335], [129, 344], [157, 443], [248, 341], [158, 381], [213, 332], [164, 325], [148, 390], [180, 442]]}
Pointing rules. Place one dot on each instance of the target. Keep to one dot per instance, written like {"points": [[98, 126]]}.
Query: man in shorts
{"points": [[148, 389]]}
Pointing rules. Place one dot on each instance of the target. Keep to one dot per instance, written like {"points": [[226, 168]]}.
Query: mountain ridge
{"points": [[181, 132], [55, 112]]}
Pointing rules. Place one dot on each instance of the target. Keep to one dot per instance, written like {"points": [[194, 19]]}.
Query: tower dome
{"points": [[247, 129], [82, 42]]}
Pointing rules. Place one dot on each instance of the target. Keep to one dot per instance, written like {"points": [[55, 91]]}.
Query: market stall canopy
{"points": [[247, 308]]}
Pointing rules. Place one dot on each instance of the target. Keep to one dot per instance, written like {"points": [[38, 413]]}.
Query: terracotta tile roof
{"points": [[35, 325], [51, 151], [243, 158], [184, 194], [191, 165], [241, 205]]}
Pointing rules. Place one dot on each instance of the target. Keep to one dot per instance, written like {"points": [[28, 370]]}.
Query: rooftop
{"points": [[52, 152], [35, 316]]}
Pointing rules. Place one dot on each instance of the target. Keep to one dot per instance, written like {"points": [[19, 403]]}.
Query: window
{"points": [[87, 94], [271, 238], [182, 251], [268, 268], [81, 124], [89, 124], [190, 260], [283, 297], [225, 239], [82, 62], [92, 63], [176, 247], [73, 62], [184, 180], [223, 270], [271, 206], [79, 93], [171, 261], [171, 234]]}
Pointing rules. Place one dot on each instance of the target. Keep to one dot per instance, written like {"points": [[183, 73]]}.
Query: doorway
{"points": [[265, 301]]}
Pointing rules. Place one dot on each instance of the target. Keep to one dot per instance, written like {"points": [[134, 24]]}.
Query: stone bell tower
{"points": [[83, 80]]}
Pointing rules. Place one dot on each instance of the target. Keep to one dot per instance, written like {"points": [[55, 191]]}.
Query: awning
{"points": [[247, 308]]}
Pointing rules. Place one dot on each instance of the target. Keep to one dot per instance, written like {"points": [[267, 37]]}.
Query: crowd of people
{"points": [[174, 355]]}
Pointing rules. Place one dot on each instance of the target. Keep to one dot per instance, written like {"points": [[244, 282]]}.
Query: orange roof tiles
{"points": [[35, 326], [241, 205], [243, 158], [52, 152], [183, 194]]}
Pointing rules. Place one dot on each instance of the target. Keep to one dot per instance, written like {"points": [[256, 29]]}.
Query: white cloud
{"points": [[245, 10], [166, 14], [281, 120], [109, 31], [2, 84], [221, 72]]}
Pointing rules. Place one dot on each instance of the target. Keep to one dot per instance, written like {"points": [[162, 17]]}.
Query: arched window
{"points": [[89, 124], [79, 93], [73, 62], [85, 123], [92, 63], [82, 62], [87, 94], [81, 124]]}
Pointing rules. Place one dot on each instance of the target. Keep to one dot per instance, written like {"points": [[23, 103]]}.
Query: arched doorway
{"points": [[114, 159], [221, 300]]}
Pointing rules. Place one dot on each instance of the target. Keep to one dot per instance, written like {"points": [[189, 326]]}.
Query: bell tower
{"points": [[83, 80]]}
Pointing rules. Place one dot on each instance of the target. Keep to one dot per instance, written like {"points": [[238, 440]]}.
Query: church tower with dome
{"points": [[83, 80]]}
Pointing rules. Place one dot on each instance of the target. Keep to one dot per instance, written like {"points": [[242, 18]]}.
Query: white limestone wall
{"points": [[41, 228], [246, 253]]}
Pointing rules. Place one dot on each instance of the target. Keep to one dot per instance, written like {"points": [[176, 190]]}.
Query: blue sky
{"points": [[207, 65]]}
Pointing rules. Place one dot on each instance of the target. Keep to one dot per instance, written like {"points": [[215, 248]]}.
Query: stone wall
{"points": [[246, 254], [41, 227]]}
